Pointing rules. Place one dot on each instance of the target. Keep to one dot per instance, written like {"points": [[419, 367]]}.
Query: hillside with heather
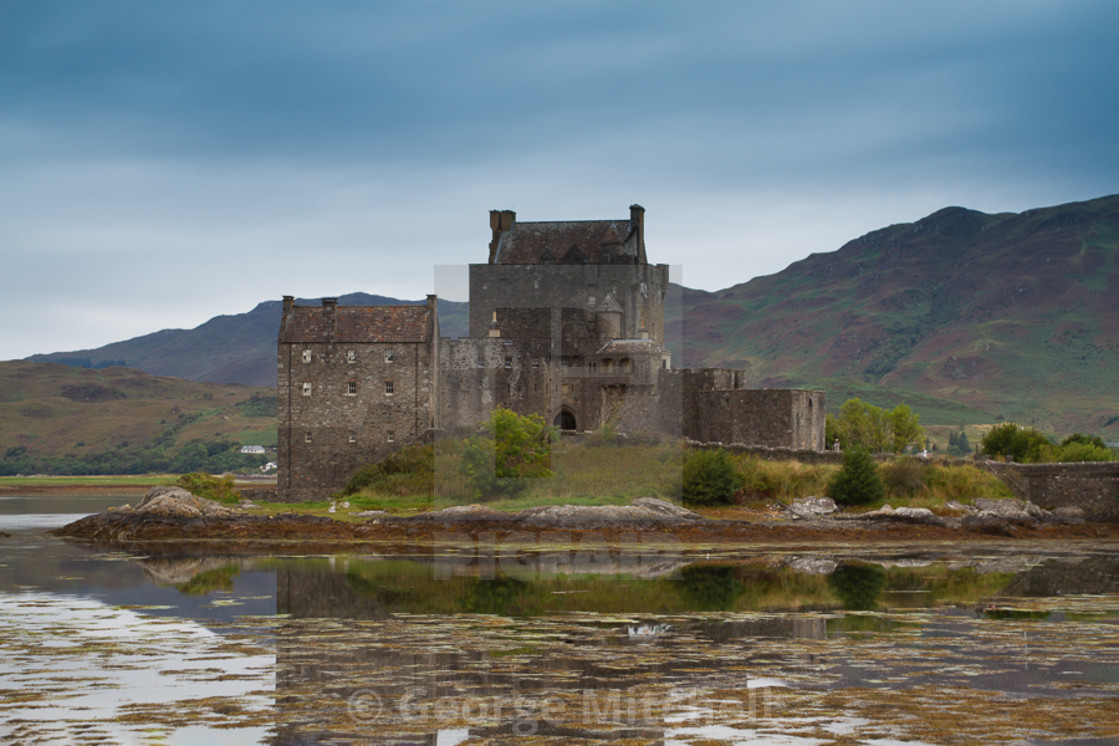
{"points": [[1013, 314], [65, 420], [969, 317]]}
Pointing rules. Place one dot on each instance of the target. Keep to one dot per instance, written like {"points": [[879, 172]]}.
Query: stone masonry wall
{"points": [[346, 405]]}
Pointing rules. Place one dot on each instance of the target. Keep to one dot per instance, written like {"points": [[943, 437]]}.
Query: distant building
{"points": [[567, 320], [253, 449]]}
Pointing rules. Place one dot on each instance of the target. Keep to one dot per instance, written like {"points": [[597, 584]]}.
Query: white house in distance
{"points": [[253, 449]]}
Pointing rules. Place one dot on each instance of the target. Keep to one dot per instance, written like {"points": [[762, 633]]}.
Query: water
{"points": [[570, 642]]}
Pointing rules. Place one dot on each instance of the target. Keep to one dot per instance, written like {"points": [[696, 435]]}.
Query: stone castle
{"points": [[567, 320]]}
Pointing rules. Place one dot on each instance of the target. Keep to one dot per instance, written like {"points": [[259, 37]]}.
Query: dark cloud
{"points": [[336, 146]]}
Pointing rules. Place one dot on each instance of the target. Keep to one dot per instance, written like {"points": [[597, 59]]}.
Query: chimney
{"points": [[330, 317], [500, 221], [289, 304], [637, 225]]}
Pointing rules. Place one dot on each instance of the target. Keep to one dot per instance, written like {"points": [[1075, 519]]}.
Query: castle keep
{"points": [[567, 320]]}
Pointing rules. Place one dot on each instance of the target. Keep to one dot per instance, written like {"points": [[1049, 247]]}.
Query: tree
{"points": [[515, 448], [857, 481], [1024, 445], [904, 428], [865, 426]]}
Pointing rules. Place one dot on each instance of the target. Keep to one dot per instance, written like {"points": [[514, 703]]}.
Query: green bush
{"points": [[709, 478], [857, 481], [1024, 445]]}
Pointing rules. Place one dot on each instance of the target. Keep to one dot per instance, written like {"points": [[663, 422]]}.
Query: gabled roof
{"points": [[576, 241], [356, 324]]}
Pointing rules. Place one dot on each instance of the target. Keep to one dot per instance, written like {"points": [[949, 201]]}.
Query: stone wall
{"points": [[639, 291], [788, 418], [342, 406], [1093, 487]]}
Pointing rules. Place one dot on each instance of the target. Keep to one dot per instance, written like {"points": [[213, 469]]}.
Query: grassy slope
{"points": [[55, 409]]}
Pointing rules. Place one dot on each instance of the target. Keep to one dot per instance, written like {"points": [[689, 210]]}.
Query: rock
{"points": [[986, 522], [1067, 515], [461, 514], [175, 502], [645, 511], [813, 565], [810, 507], [1013, 511], [663, 507], [922, 516]]}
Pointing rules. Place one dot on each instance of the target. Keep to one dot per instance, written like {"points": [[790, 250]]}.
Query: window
{"points": [[508, 362], [351, 356], [351, 388], [306, 356], [389, 388], [306, 388], [390, 356], [353, 437], [390, 437], [307, 437]]}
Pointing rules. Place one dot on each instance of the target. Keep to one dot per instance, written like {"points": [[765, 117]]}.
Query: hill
{"points": [[1014, 314], [980, 317], [66, 420], [239, 348]]}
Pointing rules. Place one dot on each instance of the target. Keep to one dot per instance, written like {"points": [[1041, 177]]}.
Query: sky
{"points": [[164, 163]]}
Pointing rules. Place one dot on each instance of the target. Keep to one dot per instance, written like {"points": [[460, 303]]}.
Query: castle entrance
{"points": [[565, 420]]}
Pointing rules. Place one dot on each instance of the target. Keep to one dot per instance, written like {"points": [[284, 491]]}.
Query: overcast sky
{"points": [[163, 163]]}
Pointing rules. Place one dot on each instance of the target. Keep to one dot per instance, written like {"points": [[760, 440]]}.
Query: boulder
{"points": [[810, 507], [175, 502]]}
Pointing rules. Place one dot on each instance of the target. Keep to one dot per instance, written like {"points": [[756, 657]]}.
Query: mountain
{"points": [[228, 349], [1015, 314], [980, 317]]}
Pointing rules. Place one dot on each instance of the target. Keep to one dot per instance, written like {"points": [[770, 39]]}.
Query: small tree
{"points": [[710, 478], [857, 481], [1024, 445], [514, 449]]}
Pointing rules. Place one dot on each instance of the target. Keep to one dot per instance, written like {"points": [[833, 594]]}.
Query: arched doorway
{"points": [[565, 419]]}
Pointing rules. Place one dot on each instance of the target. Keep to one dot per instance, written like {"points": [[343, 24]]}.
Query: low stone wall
{"points": [[1092, 487]]}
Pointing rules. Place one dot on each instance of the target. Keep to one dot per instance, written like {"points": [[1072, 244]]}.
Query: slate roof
{"points": [[357, 324], [528, 243]]}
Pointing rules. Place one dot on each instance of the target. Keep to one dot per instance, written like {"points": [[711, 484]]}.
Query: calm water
{"points": [[570, 642]]}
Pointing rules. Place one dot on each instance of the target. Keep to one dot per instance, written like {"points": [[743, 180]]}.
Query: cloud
{"points": [[165, 163]]}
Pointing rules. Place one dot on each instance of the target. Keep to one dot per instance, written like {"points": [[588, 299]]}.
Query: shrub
{"points": [[857, 481], [904, 477], [709, 477], [409, 471], [516, 448]]}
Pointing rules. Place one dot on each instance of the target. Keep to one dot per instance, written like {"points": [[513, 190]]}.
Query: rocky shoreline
{"points": [[172, 517]]}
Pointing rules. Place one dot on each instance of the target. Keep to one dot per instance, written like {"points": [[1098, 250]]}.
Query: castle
{"points": [[567, 320]]}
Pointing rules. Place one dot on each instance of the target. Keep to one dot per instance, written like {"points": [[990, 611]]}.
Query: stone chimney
{"points": [[637, 226], [500, 221], [330, 318]]}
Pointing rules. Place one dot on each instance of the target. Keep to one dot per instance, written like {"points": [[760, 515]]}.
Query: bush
{"points": [[517, 448], [904, 477], [857, 481], [409, 471], [709, 478]]}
